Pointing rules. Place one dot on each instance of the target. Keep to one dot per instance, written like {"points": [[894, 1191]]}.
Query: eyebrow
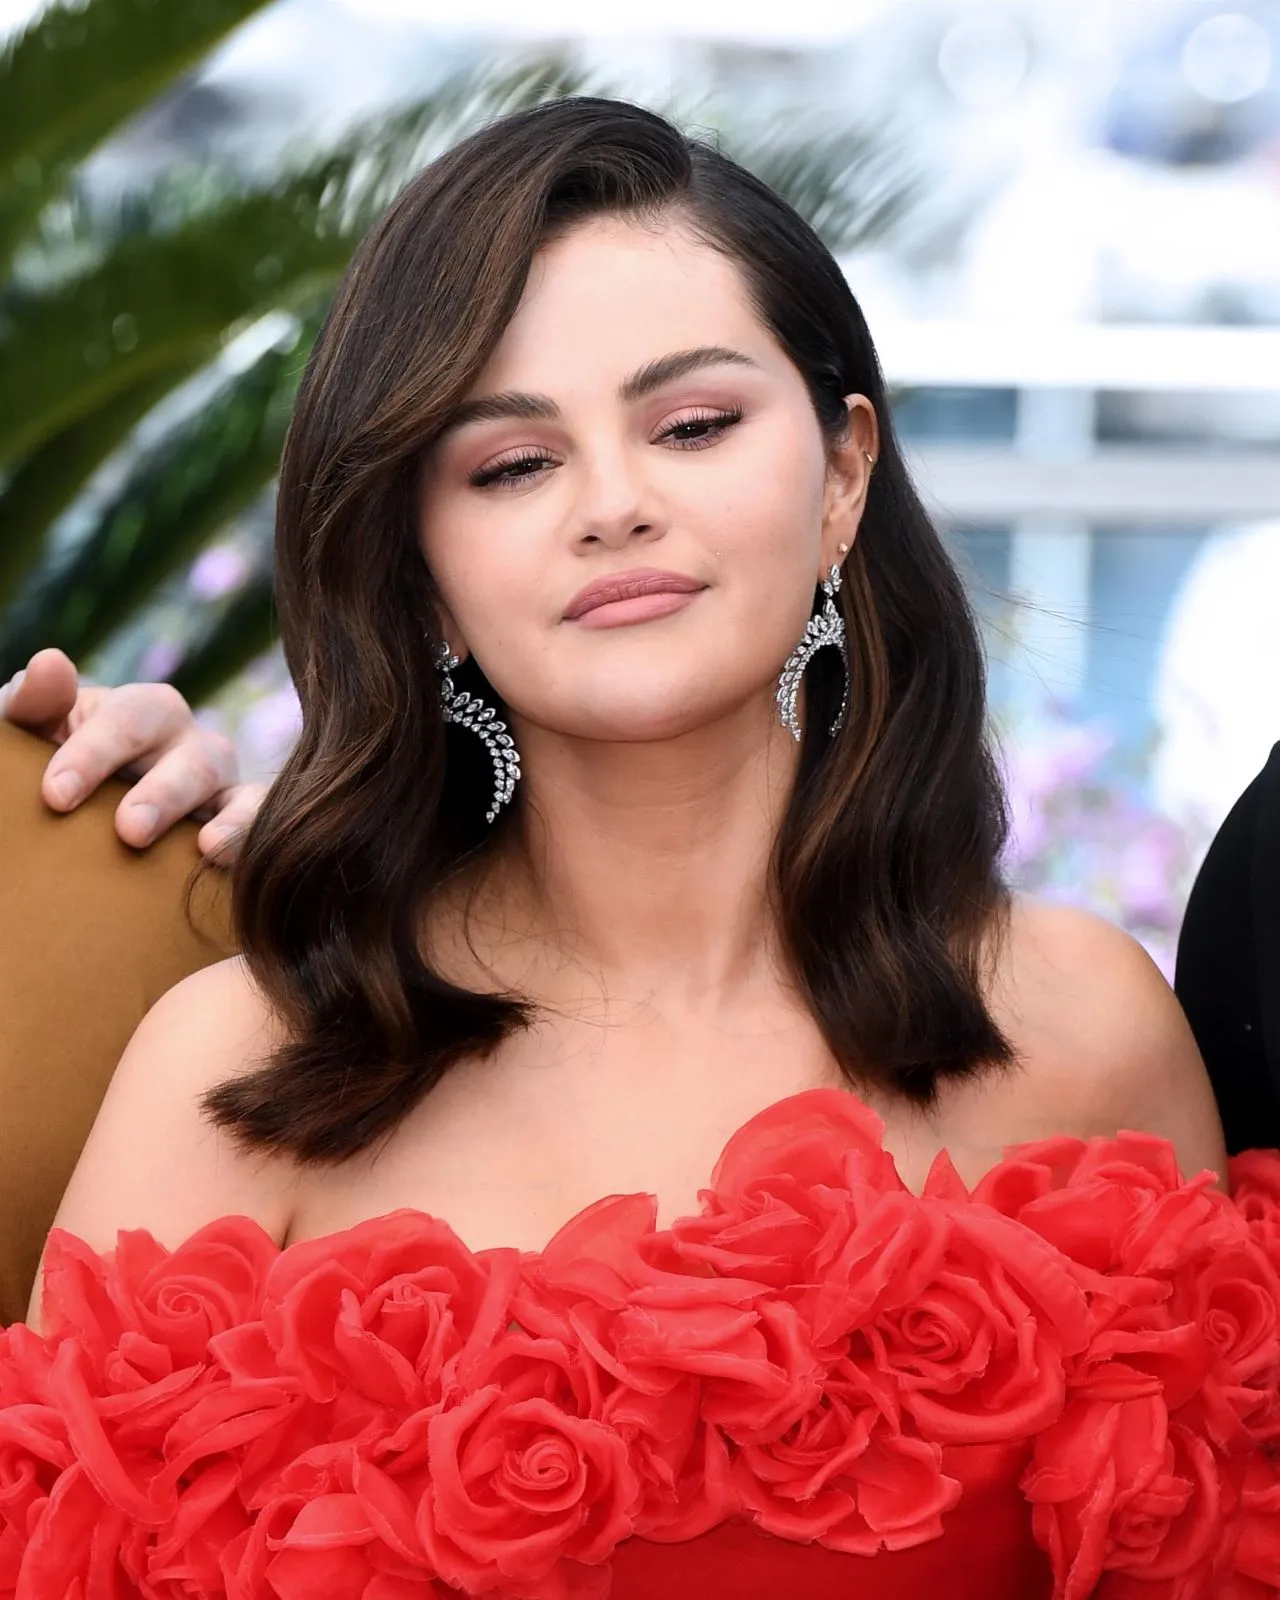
{"points": [[653, 375]]}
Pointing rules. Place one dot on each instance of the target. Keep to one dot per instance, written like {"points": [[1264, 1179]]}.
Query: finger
{"points": [[40, 697], [221, 837], [199, 767], [132, 727]]}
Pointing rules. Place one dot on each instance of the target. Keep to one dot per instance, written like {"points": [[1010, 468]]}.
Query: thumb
{"points": [[40, 697]]}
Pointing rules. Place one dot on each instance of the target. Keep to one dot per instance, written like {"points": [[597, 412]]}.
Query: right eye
{"points": [[498, 472]]}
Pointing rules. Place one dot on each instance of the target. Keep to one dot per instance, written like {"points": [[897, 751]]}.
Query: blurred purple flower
{"points": [[1028, 831], [1066, 754], [269, 729], [1148, 876], [217, 571], [158, 660], [1092, 842]]}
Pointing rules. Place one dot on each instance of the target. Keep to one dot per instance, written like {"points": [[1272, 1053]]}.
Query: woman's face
{"points": [[717, 472]]}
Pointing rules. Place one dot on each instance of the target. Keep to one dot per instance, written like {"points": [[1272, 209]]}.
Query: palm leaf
{"points": [[77, 73], [245, 628], [200, 476], [180, 292], [53, 475], [852, 184], [175, 294]]}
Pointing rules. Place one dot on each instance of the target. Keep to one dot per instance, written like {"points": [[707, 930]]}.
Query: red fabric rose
{"points": [[827, 1138], [846, 1475], [148, 1300], [787, 1193], [751, 1353], [1087, 1197], [524, 1495], [125, 1407], [183, 1560], [395, 1308], [334, 1525], [524, 1367], [112, 1495], [965, 1311], [1231, 1294], [1116, 1487], [1178, 1384], [1254, 1177], [757, 1366], [1254, 1544], [1175, 1259], [681, 1461], [977, 1354], [34, 1453], [684, 1354]]}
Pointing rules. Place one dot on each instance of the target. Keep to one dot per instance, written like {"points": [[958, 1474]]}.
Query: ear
{"points": [[849, 467]]}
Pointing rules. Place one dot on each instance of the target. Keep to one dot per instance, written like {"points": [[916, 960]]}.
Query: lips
{"points": [[629, 586]]}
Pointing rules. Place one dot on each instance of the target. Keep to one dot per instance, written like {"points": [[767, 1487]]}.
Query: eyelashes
{"points": [[519, 469]]}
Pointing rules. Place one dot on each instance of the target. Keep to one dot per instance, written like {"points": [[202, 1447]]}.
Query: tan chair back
{"points": [[92, 933]]}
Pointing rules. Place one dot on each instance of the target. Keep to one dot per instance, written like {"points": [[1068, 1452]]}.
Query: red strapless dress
{"points": [[1065, 1383]]}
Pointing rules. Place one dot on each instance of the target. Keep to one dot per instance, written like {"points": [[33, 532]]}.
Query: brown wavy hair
{"points": [[886, 865]]}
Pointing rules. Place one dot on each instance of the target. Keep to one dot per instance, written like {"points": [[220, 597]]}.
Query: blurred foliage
{"points": [[123, 321]]}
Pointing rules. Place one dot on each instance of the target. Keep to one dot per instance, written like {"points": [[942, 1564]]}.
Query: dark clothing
{"points": [[1228, 965]]}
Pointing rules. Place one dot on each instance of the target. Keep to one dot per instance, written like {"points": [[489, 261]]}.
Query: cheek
{"points": [[770, 492], [483, 572], [766, 535]]}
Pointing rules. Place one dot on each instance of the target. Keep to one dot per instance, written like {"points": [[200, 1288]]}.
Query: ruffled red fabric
{"points": [[1065, 1383]]}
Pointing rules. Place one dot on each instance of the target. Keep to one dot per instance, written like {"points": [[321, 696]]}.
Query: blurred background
{"points": [[1062, 222]]}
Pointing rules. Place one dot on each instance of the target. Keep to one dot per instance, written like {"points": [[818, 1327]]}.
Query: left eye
{"points": [[716, 423]]}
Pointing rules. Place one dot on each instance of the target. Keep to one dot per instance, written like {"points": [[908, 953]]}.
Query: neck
{"points": [[647, 864]]}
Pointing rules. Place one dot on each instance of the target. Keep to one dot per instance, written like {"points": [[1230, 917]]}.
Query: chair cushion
{"points": [[92, 933]]}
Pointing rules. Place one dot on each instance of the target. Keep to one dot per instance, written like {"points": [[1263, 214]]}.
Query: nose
{"points": [[615, 502]]}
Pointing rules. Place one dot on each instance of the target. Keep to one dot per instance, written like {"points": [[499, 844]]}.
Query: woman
{"points": [[603, 867]]}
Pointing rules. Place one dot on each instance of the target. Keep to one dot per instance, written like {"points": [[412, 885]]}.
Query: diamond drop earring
{"points": [[468, 711], [826, 628]]}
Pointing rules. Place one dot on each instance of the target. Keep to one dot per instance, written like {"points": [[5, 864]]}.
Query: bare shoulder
{"points": [[1104, 1042], [153, 1159]]}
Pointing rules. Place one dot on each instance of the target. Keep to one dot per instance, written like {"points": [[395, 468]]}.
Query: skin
{"points": [[632, 901], [653, 756], [140, 731]]}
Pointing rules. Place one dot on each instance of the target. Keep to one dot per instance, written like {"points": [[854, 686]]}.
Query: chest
{"points": [[508, 1149]]}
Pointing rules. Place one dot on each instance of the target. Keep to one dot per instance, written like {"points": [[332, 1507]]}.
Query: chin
{"points": [[660, 719]]}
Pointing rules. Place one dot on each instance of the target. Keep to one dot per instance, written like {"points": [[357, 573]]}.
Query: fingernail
{"points": [[66, 788], [147, 819]]}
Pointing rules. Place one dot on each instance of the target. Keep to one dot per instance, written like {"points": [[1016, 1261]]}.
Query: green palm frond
{"points": [[245, 627], [851, 184], [53, 476], [159, 302], [365, 169], [77, 73], [180, 493]]}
